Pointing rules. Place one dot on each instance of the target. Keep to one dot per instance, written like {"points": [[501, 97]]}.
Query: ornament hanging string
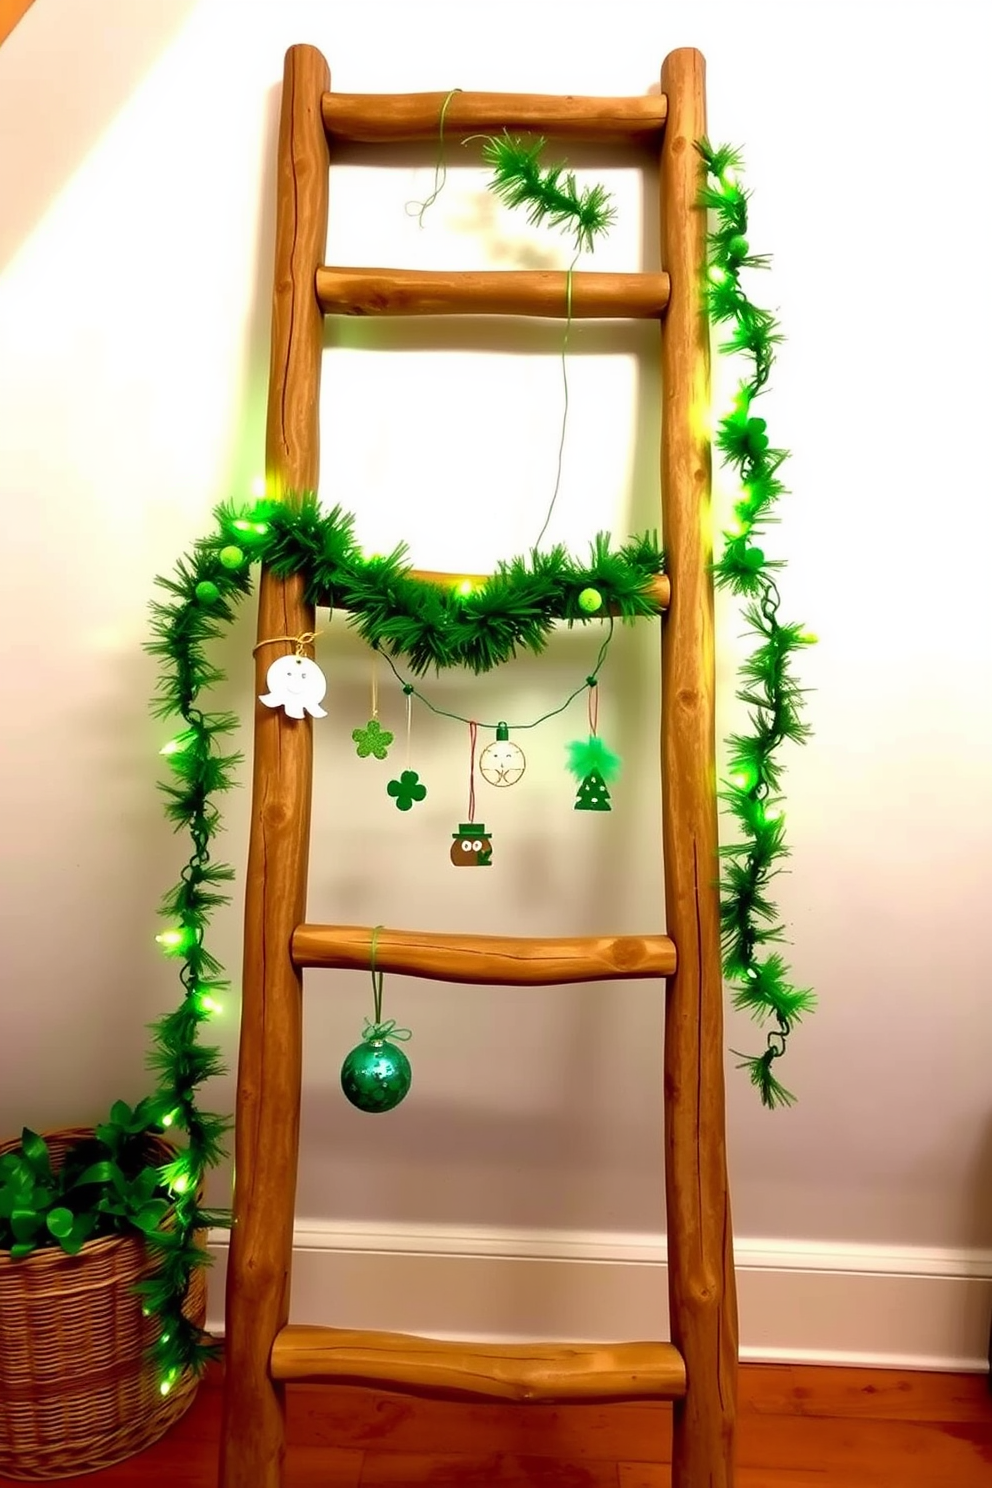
{"points": [[593, 705], [590, 682], [473, 738], [307, 638], [375, 684], [378, 1029]]}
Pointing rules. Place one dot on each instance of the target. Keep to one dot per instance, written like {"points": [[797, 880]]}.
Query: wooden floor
{"points": [[799, 1428]]}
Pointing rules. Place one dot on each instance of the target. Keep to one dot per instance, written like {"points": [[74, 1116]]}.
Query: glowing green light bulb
{"points": [[180, 743], [258, 487], [717, 275], [465, 587], [181, 1184], [165, 1386], [171, 939]]}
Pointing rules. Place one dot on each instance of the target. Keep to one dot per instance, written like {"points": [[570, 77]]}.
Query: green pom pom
{"points": [[590, 600], [753, 558], [231, 556], [207, 592], [592, 757], [738, 247]]}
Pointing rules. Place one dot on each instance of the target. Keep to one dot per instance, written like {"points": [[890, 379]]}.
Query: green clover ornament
{"points": [[406, 790], [372, 739]]}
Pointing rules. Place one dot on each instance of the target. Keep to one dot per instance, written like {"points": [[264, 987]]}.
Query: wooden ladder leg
{"points": [[269, 1070], [702, 1291]]}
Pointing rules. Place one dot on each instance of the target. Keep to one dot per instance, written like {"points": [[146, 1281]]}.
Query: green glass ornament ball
{"points": [[590, 600], [231, 556], [207, 592], [376, 1075]]}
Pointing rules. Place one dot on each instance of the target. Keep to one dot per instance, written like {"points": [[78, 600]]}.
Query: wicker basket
{"points": [[77, 1391]]}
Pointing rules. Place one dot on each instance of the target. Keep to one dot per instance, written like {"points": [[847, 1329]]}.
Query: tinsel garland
{"points": [[759, 976], [427, 625]]}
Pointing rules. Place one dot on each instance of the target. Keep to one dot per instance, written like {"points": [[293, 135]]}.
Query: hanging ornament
{"points": [[409, 788], [376, 1075], [592, 763], [231, 556], [502, 762], [295, 683], [405, 791], [472, 846], [373, 739]]}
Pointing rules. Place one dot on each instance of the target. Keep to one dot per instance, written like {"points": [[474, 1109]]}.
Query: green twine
{"points": [[440, 166], [377, 1029], [590, 681]]}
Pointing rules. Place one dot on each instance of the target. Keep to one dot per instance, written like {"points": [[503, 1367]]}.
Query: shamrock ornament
{"points": [[406, 790], [373, 740]]}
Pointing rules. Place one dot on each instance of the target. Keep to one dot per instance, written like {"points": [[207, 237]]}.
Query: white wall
{"points": [[136, 181]]}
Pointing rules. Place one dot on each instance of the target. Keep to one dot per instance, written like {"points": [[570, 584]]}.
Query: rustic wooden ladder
{"points": [[697, 1371]]}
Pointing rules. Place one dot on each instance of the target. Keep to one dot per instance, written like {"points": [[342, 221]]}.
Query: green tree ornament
{"points": [[593, 764], [593, 795]]}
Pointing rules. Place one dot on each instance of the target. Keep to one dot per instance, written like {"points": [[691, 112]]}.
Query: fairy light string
{"points": [[411, 692], [750, 924], [424, 626]]}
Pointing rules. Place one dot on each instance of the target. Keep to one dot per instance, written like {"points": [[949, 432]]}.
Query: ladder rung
{"points": [[490, 292], [659, 588], [480, 1371], [377, 118], [491, 960]]}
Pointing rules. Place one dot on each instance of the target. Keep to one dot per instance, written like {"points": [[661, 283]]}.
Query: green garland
{"points": [[759, 977], [426, 624], [478, 627]]}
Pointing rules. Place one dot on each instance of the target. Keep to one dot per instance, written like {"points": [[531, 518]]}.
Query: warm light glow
{"points": [[465, 587], [717, 275], [180, 1185], [180, 743], [165, 1386], [773, 814], [258, 487], [171, 939], [208, 1004], [169, 1119]]}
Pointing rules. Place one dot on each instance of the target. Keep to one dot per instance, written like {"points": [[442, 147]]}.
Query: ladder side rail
{"points": [[270, 1058], [701, 1283]]}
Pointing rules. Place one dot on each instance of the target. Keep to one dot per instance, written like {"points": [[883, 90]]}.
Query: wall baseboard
{"points": [[808, 1302]]}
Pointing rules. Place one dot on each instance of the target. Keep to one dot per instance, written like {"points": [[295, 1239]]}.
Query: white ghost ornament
{"points": [[297, 684]]}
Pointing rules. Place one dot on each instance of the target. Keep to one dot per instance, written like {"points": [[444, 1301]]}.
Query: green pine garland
{"points": [[550, 193], [759, 977], [426, 624]]}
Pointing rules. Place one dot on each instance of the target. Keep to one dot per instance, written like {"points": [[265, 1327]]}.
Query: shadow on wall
{"points": [[64, 74]]}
